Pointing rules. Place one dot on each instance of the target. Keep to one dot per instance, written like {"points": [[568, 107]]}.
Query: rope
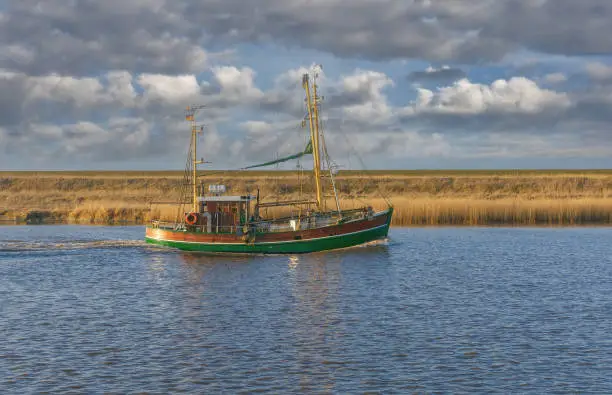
{"points": [[385, 198]]}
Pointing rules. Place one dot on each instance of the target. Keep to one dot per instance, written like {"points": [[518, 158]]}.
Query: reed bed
{"points": [[516, 212], [419, 198]]}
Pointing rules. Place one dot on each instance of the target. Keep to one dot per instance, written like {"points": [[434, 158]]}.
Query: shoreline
{"points": [[510, 198], [425, 226], [397, 223]]}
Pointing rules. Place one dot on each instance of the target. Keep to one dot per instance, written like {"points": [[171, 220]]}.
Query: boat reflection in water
{"points": [[242, 314]]}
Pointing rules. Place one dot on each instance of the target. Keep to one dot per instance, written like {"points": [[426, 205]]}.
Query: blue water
{"points": [[450, 310]]}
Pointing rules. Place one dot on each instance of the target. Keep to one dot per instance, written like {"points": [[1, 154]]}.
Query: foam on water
{"points": [[25, 246]]}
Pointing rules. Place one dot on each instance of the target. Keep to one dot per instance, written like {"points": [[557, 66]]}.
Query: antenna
{"points": [[190, 116]]}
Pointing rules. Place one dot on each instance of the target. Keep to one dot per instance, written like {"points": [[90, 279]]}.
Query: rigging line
{"points": [[185, 183], [277, 160], [329, 167], [279, 144], [301, 177], [385, 198]]}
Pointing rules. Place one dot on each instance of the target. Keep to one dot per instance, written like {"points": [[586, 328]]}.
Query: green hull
{"points": [[285, 247]]}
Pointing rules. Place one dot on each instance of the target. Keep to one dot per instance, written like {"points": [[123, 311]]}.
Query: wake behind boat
{"points": [[222, 223]]}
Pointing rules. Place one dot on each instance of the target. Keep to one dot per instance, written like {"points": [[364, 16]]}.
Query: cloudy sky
{"points": [[102, 84]]}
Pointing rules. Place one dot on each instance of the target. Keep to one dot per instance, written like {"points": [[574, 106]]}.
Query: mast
{"points": [[190, 116], [317, 123], [314, 136], [319, 130]]}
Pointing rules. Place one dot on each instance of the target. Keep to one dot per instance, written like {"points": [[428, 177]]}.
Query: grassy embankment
{"points": [[420, 197]]}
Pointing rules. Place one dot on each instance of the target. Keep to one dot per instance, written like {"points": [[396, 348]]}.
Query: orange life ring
{"points": [[191, 218]]}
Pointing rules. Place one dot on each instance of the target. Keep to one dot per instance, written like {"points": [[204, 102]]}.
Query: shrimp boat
{"points": [[221, 223]]}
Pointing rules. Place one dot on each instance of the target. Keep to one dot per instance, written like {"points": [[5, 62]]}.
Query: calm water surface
{"points": [[450, 310]]}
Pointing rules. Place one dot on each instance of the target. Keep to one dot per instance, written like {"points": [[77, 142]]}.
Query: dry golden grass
{"points": [[585, 211], [420, 198]]}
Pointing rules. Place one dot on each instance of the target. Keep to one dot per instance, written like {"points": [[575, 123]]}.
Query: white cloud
{"points": [[137, 116], [599, 71], [178, 89], [288, 95], [81, 138], [121, 88], [83, 92], [264, 139], [517, 95], [237, 84], [373, 107], [404, 143], [525, 145], [17, 54], [437, 75], [134, 132], [162, 36], [116, 74], [214, 145], [293, 78], [167, 52], [236, 148], [256, 127], [133, 6], [555, 78]]}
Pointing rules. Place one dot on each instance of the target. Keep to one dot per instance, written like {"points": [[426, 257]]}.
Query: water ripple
{"points": [[27, 246], [431, 310]]}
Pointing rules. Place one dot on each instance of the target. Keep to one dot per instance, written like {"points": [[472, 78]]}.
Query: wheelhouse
{"points": [[223, 214]]}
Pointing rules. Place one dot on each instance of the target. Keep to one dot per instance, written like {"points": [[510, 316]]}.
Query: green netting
{"points": [[307, 150]]}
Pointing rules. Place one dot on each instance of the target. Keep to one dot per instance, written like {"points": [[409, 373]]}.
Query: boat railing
{"points": [[262, 227], [198, 228], [157, 224], [285, 224]]}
